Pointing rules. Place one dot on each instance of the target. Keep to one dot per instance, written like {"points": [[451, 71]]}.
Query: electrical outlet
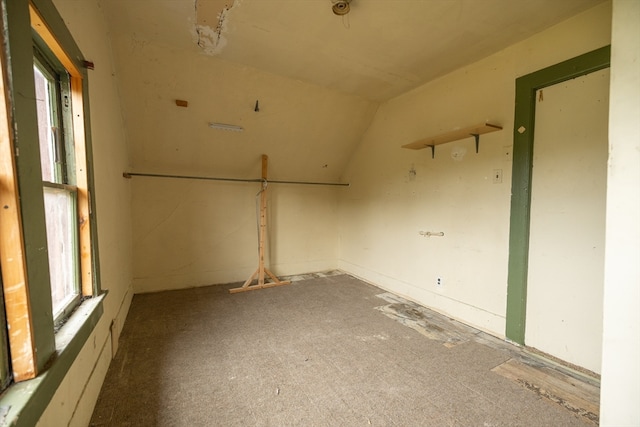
{"points": [[439, 282]]}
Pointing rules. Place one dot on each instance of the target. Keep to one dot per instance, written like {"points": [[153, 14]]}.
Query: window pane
{"points": [[60, 208], [46, 124]]}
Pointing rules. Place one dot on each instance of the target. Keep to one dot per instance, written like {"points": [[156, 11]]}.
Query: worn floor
{"points": [[327, 351]]}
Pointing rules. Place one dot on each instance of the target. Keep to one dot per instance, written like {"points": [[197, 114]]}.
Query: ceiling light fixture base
{"points": [[341, 7]]}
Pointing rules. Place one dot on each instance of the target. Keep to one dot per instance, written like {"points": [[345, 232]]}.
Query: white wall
{"points": [[620, 392], [195, 233], [383, 212], [73, 402]]}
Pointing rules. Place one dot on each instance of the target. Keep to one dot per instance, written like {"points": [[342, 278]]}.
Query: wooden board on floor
{"points": [[575, 395]]}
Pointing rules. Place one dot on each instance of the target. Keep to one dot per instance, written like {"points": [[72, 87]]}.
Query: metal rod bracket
{"points": [[477, 137]]}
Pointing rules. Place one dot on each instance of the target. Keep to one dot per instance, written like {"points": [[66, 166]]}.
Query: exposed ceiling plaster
{"points": [[211, 25], [381, 49]]}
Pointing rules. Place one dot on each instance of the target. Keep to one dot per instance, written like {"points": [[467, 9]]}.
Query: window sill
{"points": [[23, 403]]}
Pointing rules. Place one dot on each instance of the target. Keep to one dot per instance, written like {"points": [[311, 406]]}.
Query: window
{"points": [[55, 135], [48, 246]]}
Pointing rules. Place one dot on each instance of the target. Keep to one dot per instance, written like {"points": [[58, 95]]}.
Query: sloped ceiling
{"points": [[318, 77], [379, 50]]}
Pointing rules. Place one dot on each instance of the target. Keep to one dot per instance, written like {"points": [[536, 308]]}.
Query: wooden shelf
{"points": [[455, 135]]}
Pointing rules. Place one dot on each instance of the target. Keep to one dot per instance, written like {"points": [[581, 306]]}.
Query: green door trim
{"points": [[524, 123]]}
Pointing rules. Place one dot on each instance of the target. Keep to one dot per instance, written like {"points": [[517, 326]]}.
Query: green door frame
{"points": [[524, 123]]}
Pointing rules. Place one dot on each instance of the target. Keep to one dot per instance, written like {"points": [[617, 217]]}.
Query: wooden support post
{"points": [[262, 234], [15, 280]]}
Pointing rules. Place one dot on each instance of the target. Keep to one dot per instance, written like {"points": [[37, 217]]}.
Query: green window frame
{"points": [[39, 353], [55, 134]]}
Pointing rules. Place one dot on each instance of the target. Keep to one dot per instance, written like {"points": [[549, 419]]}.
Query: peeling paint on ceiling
{"points": [[385, 49], [211, 24]]}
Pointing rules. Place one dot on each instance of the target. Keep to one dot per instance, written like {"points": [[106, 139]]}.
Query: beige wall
{"points": [[566, 239], [370, 229], [74, 400], [193, 233], [387, 206], [620, 392]]}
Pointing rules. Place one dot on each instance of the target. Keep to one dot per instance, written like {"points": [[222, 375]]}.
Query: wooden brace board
{"points": [[261, 271]]}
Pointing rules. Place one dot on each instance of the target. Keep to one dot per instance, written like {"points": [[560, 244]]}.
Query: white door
{"points": [[566, 248]]}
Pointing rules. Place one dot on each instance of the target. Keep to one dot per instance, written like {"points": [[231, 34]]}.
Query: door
{"points": [[567, 228]]}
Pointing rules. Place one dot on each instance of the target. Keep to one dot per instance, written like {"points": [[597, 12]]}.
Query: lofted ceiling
{"points": [[380, 49], [319, 78]]}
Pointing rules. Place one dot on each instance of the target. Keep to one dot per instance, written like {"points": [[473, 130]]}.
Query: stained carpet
{"points": [[325, 351]]}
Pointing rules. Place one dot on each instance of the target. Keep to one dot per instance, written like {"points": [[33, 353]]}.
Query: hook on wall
{"points": [[256, 108]]}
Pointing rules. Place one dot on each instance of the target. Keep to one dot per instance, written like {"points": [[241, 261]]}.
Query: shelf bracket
{"points": [[477, 137], [455, 135]]}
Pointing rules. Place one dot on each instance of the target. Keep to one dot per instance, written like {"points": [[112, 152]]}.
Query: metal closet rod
{"points": [[209, 178]]}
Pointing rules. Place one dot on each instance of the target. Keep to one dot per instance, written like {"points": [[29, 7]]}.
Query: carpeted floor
{"points": [[313, 353]]}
